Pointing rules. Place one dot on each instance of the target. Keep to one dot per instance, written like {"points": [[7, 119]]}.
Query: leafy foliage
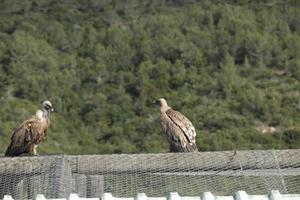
{"points": [[225, 64]]}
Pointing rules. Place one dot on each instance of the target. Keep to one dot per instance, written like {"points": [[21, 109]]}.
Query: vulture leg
{"points": [[31, 149], [35, 150]]}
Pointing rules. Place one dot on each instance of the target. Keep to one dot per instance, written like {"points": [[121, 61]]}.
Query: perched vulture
{"points": [[30, 133], [178, 128]]}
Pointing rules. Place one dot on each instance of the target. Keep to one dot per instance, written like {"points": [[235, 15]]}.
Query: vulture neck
{"points": [[164, 108], [46, 113]]}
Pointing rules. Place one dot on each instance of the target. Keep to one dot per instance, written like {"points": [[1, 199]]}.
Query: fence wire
{"points": [[124, 175]]}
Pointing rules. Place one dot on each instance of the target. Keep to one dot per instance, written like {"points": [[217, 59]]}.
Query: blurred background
{"points": [[232, 67]]}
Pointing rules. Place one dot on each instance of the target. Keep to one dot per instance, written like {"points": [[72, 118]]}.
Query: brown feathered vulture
{"points": [[178, 128], [30, 133]]}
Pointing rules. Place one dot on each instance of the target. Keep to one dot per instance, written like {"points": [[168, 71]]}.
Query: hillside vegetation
{"points": [[227, 65]]}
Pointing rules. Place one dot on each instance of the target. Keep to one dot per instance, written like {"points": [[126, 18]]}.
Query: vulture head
{"points": [[47, 105], [162, 103]]}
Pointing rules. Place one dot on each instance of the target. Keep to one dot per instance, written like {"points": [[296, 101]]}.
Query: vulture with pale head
{"points": [[30, 133], [178, 128]]}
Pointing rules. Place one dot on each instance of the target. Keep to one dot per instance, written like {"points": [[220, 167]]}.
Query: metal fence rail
{"points": [[240, 195]]}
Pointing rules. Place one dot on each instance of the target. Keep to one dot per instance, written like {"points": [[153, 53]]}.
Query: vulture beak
{"points": [[156, 102], [52, 109]]}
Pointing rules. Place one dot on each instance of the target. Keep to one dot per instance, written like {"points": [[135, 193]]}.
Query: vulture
{"points": [[178, 128], [30, 133]]}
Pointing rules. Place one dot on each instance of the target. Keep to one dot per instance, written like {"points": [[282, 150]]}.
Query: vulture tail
{"points": [[188, 148], [10, 152]]}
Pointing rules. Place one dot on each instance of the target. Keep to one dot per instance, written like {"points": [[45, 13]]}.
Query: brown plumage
{"points": [[178, 128], [30, 133]]}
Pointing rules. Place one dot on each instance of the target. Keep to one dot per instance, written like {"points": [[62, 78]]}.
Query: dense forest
{"points": [[231, 66]]}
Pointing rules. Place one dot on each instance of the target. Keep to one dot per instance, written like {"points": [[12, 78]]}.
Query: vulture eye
{"points": [[156, 102], [48, 107]]}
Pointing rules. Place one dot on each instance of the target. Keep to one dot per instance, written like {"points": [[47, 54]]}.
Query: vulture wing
{"points": [[184, 131], [23, 136]]}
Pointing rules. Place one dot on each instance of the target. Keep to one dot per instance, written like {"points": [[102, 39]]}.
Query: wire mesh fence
{"points": [[124, 175]]}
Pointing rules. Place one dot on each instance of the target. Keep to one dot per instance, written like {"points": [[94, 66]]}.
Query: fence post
{"points": [[95, 185], [40, 197], [208, 196], [79, 184], [241, 195], [275, 195], [174, 196], [141, 196], [107, 196], [61, 178], [7, 197], [73, 197]]}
